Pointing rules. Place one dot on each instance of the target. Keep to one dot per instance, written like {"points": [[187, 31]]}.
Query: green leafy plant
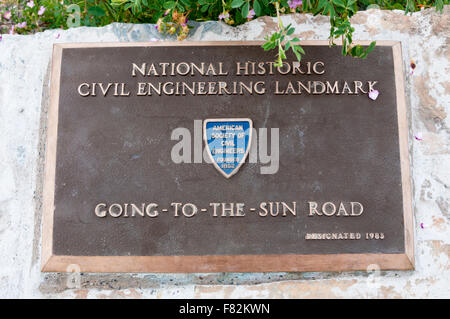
{"points": [[340, 12], [280, 40], [172, 16]]}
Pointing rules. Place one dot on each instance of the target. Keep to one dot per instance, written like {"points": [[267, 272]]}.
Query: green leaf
{"points": [[290, 31], [305, 5], [298, 55], [267, 46], [96, 11], [257, 8], [281, 53], [371, 46], [439, 4], [322, 4], [169, 4], [332, 11], [299, 48], [339, 3], [287, 46], [186, 3], [237, 3], [244, 10]]}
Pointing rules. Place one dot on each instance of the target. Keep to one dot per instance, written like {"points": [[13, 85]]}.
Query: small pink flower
{"points": [[251, 14], [373, 94], [7, 15], [167, 12], [421, 226], [41, 11], [22, 25], [30, 4], [1, 38], [13, 28], [224, 15], [293, 4], [418, 136]]}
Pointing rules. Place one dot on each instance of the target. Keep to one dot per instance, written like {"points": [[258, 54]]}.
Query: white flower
{"points": [[41, 10], [373, 94]]}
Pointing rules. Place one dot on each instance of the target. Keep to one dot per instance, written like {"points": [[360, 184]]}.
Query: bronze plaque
{"points": [[205, 157]]}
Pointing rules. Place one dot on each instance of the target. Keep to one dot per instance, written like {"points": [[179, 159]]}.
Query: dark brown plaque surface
{"points": [[336, 148]]}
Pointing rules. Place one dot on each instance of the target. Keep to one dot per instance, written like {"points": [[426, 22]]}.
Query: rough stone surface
{"points": [[24, 81]]}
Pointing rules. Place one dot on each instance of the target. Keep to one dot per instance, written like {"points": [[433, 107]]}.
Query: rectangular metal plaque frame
{"points": [[222, 263]]}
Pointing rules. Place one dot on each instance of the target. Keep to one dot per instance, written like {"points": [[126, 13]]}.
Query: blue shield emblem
{"points": [[228, 143]]}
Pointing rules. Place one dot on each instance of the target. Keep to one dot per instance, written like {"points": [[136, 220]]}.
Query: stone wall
{"points": [[24, 81]]}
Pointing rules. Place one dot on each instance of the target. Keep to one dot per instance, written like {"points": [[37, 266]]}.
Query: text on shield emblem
{"points": [[228, 143]]}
